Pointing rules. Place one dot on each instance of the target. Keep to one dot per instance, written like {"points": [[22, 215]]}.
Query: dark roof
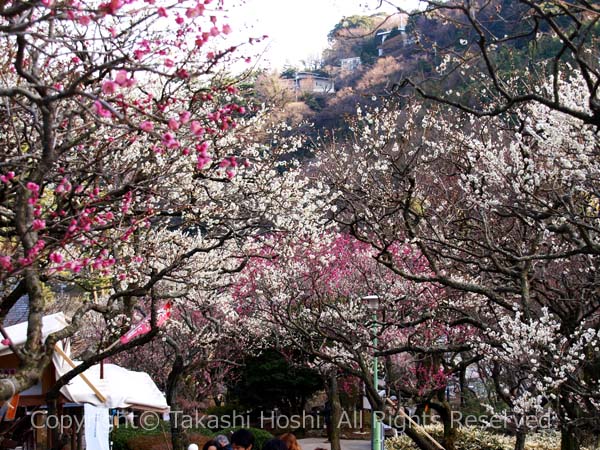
{"points": [[18, 313]]}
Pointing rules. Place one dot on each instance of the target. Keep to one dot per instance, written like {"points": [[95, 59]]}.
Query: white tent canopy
{"points": [[122, 388], [18, 333]]}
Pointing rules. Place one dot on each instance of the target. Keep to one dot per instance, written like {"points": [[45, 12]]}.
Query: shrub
{"points": [[472, 438], [468, 439], [122, 436], [129, 438]]}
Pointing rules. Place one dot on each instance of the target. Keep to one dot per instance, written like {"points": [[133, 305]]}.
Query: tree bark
{"points": [[420, 440], [55, 436], [463, 386], [569, 439], [445, 411], [520, 440], [336, 412], [178, 439]]}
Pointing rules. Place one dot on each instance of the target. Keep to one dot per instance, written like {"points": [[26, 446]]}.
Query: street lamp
{"points": [[373, 305]]}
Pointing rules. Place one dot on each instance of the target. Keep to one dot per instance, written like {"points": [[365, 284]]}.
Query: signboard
{"points": [[97, 427]]}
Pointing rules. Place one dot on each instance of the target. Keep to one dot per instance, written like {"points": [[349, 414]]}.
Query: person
{"points": [[242, 439], [223, 442], [192, 447], [274, 444], [290, 441], [211, 445]]}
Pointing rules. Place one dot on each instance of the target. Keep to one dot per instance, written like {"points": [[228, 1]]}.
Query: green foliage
{"points": [[130, 438], [289, 72], [320, 72], [395, 32], [314, 102], [224, 413], [270, 381], [351, 22], [369, 50], [354, 36], [124, 436], [260, 436]]}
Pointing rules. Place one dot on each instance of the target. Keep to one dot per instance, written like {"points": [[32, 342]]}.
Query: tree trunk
{"points": [[178, 439], [58, 441], [420, 440], [520, 441], [463, 386], [450, 430], [336, 412], [569, 439]]}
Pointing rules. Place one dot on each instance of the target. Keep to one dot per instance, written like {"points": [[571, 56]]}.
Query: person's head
{"points": [[274, 444], [211, 445], [290, 441], [242, 439], [192, 447], [222, 441]]}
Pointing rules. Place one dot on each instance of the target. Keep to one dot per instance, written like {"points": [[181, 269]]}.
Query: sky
{"points": [[298, 29]]}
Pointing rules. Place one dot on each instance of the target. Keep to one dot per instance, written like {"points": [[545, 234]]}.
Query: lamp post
{"points": [[373, 305]]}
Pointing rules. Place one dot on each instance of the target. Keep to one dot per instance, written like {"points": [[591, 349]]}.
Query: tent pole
{"points": [[69, 361]]}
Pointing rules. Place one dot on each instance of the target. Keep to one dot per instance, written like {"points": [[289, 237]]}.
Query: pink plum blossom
{"points": [[123, 79], [38, 224], [6, 262], [168, 139], [100, 110], [84, 20], [184, 117], [109, 87], [7, 178], [196, 128], [147, 126], [202, 161], [56, 258]]}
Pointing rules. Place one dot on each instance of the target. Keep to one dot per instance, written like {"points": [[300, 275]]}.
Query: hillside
{"points": [[370, 56]]}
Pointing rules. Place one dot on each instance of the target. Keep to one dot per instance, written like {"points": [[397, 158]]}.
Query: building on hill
{"points": [[393, 45], [397, 32], [310, 82], [350, 64]]}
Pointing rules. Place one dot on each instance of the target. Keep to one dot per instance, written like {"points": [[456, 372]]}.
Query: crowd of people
{"points": [[243, 439]]}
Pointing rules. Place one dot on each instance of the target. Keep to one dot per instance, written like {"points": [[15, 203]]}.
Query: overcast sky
{"points": [[298, 29]]}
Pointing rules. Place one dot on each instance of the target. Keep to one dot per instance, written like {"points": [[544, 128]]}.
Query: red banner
{"points": [[144, 326], [13, 404]]}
